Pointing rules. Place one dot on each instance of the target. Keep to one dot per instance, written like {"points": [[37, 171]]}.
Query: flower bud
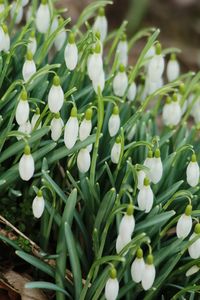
{"points": [[184, 224], [38, 205], [95, 64], [156, 65], [55, 96], [116, 151], [112, 286], [192, 172], [71, 129], [22, 111], [86, 125], [171, 112], [194, 248], [43, 17], [83, 160], [132, 90], [120, 82], [194, 269], [173, 68], [138, 267], [26, 165], [122, 51], [114, 122], [145, 197], [101, 24], [127, 224], [56, 127], [29, 67], [71, 53], [149, 273]]}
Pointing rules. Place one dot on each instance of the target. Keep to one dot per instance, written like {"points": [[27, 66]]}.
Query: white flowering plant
{"points": [[102, 151]]}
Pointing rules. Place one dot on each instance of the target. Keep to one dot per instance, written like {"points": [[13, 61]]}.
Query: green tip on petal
{"points": [[197, 228], [39, 193], [124, 37], [29, 55], [37, 111], [98, 35], [44, 2], [121, 68], [188, 210], [71, 38], [101, 12], [115, 110], [174, 97], [32, 35], [130, 210], [88, 114], [60, 20], [158, 49], [150, 259], [146, 181], [173, 56], [97, 48], [57, 115], [113, 273], [193, 158], [157, 153], [74, 112], [150, 154], [118, 140], [168, 100], [182, 88], [24, 95], [5, 28], [27, 150], [139, 253], [56, 81]]}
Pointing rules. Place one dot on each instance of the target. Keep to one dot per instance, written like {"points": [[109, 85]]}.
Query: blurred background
{"points": [[179, 21]]}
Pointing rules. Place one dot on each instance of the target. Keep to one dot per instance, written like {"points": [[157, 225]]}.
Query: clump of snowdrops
{"points": [[105, 152]]}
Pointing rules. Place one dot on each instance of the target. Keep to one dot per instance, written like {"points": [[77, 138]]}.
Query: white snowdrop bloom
{"points": [[71, 53], [150, 53], [192, 172], [86, 125], [131, 133], [22, 110], [26, 165], [194, 269], [112, 286], [38, 205], [25, 2], [149, 163], [2, 6], [184, 224], [16, 12], [83, 160], [71, 129], [55, 96], [194, 249], [6, 43], [2, 38], [121, 242], [140, 177], [138, 266], [145, 197], [32, 43], [149, 273], [171, 112], [132, 90], [99, 83], [122, 51], [89, 147], [54, 24], [120, 82], [101, 24], [56, 127], [156, 169], [116, 151], [173, 68], [155, 85], [95, 64], [43, 17], [60, 40], [25, 128], [114, 122], [127, 224], [35, 118], [156, 65], [29, 67]]}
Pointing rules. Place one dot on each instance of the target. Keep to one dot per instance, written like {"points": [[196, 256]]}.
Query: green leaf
{"points": [[46, 286]]}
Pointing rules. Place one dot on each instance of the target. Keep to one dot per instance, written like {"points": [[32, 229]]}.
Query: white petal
{"points": [[192, 173], [140, 177], [26, 167], [83, 160], [111, 289], [60, 40], [149, 163], [122, 52], [43, 18], [25, 2], [28, 70], [115, 153], [173, 70], [157, 170], [113, 124], [126, 226], [16, 7], [137, 269], [194, 269], [56, 128], [148, 277], [71, 56], [121, 242], [183, 226], [55, 98], [101, 26], [194, 249], [32, 45], [34, 121], [156, 68], [2, 39], [120, 84], [38, 206], [131, 133], [71, 132], [85, 129], [25, 128], [99, 82], [145, 199], [95, 66], [22, 112], [7, 43], [132, 90]]}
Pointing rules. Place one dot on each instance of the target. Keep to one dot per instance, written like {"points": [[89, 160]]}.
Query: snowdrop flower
{"points": [[127, 224], [32, 44], [26, 165], [171, 111], [149, 273], [194, 249], [71, 53], [140, 179], [22, 111], [138, 266], [131, 132], [122, 51], [29, 67], [25, 128], [192, 171], [95, 64], [116, 151], [173, 68], [71, 129], [184, 224], [43, 17], [122, 242], [194, 269], [156, 65], [150, 53], [2, 6], [86, 125], [120, 82], [55, 96], [114, 122], [132, 90], [149, 162], [2, 38], [16, 12], [6, 44], [38, 205], [56, 127], [35, 118], [99, 83], [83, 160], [112, 286], [101, 24], [61, 37], [145, 197], [156, 170]]}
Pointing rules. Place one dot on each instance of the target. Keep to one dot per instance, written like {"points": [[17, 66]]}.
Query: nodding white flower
{"points": [[112, 286], [114, 122], [25, 128], [71, 129], [192, 172], [32, 43], [149, 162], [150, 53], [71, 53], [140, 179], [16, 12], [138, 266], [99, 83], [35, 118], [26, 165], [184, 224], [131, 132], [95, 64], [194, 249], [194, 269], [22, 111], [29, 67], [154, 85], [171, 111], [156, 167], [2, 6], [2, 38], [56, 127], [132, 90], [149, 273], [83, 160], [120, 82], [156, 65], [55, 96], [101, 24], [122, 51], [127, 224], [38, 205], [145, 197], [121, 242], [116, 151], [173, 68], [86, 125], [43, 17], [6, 40], [195, 111], [61, 36]]}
